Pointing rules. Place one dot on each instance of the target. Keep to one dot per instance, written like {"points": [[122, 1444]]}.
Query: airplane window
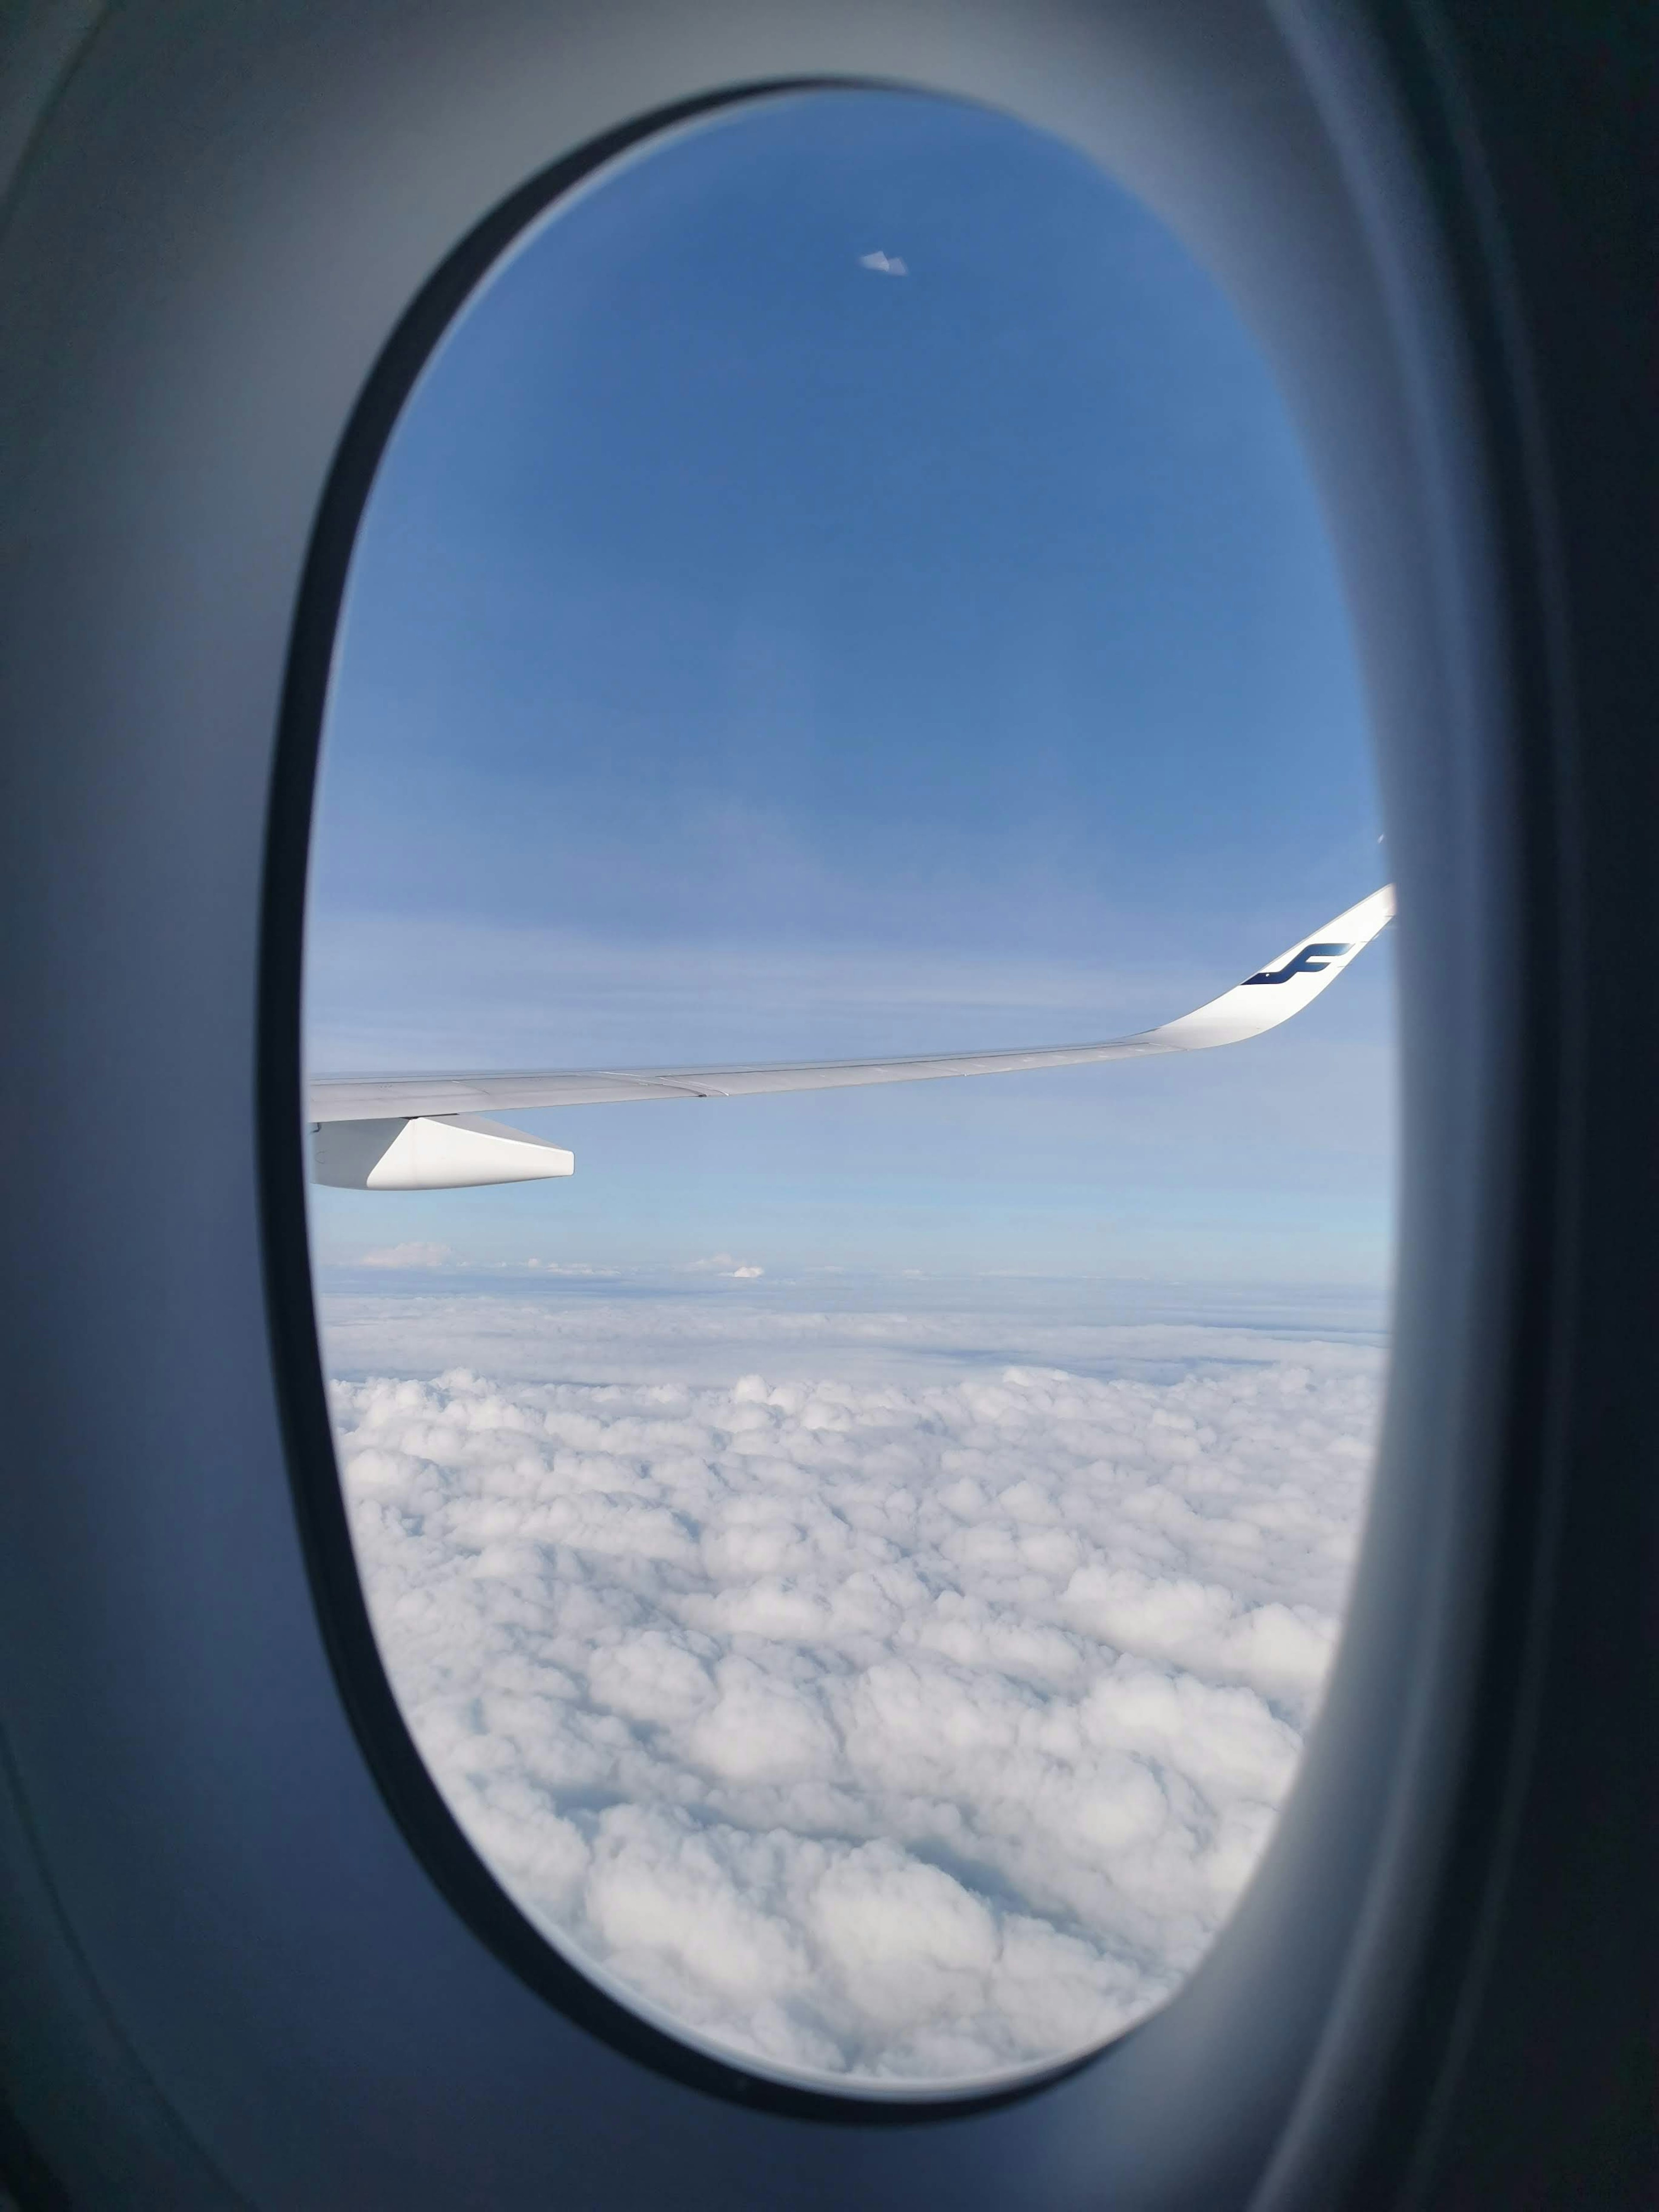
{"points": [[858, 1545]]}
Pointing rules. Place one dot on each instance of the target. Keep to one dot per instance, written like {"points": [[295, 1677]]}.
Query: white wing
{"points": [[1271, 996]]}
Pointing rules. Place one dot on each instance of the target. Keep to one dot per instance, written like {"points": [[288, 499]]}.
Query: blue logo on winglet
{"points": [[1312, 960]]}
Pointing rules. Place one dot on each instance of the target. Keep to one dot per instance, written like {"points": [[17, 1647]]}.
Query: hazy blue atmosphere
{"points": [[862, 1564], [753, 653]]}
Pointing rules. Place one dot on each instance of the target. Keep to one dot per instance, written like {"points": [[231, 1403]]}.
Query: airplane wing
{"points": [[435, 1116]]}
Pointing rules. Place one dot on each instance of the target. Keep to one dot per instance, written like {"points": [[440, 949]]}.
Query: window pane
{"points": [[860, 1562]]}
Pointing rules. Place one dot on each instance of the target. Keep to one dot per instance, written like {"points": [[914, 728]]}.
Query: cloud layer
{"points": [[896, 1728]]}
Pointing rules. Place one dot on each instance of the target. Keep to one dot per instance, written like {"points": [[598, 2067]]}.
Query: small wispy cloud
{"points": [[884, 265], [409, 1255], [724, 1263]]}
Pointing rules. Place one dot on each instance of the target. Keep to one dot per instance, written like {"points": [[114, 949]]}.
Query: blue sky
{"points": [[751, 652]]}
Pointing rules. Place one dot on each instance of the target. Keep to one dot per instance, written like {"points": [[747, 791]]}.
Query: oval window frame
{"points": [[1426, 405]]}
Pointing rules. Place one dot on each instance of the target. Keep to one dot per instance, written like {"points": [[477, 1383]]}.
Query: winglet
{"points": [[1285, 985]]}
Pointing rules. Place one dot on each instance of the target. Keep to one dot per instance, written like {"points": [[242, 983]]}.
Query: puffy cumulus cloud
{"points": [[896, 1729]]}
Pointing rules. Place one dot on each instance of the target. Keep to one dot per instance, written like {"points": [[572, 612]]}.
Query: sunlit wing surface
{"points": [[422, 1132]]}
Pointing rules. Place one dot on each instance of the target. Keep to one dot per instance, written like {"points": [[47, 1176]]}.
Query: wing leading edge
{"points": [[1261, 1002]]}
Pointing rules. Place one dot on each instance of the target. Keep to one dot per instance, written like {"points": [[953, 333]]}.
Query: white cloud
{"points": [[670, 1326], [723, 1263], [409, 1255], [904, 1728], [884, 265]]}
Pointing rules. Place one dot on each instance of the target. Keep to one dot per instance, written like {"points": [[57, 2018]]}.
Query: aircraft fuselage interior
{"points": [[251, 1954]]}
